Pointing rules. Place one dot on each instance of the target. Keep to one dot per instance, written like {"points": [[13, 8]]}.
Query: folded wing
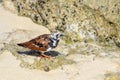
{"points": [[40, 43]]}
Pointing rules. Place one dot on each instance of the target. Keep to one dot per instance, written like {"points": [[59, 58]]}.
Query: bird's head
{"points": [[56, 35]]}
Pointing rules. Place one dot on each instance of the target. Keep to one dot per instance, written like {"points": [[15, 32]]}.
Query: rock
{"points": [[112, 76], [29, 58], [78, 59], [46, 68], [109, 8], [16, 29], [9, 5], [79, 20], [81, 24], [1, 0], [7, 59]]}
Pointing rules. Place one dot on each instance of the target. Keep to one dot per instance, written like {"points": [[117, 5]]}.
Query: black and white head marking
{"points": [[54, 38]]}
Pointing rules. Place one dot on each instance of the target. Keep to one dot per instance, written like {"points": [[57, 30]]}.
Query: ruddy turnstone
{"points": [[43, 43]]}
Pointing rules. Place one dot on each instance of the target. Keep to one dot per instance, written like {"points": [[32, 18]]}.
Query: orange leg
{"points": [[42, 55]]}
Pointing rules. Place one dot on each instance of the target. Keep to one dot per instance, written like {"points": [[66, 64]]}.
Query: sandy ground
{"points": [[85, 69]]}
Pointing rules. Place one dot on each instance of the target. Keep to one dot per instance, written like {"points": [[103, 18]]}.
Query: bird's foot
{"points": [[45, 56]]}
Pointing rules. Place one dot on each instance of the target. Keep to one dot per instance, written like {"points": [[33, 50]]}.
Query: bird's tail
{"points": [[22, 44]]}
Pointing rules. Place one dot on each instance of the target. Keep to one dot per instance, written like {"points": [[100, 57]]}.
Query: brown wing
{"points": [[40, 43]]}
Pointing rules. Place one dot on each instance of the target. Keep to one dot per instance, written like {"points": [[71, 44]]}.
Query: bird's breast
{"points": [[53, 43]]}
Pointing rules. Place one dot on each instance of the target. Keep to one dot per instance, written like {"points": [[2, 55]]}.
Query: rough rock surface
{"points": [[109, 8], [9, 5], [85, 23], [80, 20], [83, 61], [23, 30]]}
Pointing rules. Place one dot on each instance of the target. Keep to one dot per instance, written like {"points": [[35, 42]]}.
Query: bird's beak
{"points": [[62, 35]]}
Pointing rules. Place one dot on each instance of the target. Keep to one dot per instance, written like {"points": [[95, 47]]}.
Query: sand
{"points": [[85, 69]]}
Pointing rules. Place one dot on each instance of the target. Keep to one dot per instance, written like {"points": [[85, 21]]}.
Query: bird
{"points": [[43, 43]]}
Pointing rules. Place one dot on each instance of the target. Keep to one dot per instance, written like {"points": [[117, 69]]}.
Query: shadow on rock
{"points": [[37, 53]]}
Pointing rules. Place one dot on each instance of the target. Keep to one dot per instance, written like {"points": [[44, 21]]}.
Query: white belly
{"points": [[49, 49]]}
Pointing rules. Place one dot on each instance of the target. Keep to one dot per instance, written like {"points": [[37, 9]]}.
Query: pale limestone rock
{"points": [[9, 5]]}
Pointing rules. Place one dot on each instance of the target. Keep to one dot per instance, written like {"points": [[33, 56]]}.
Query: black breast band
{"points": [[52, 42]]}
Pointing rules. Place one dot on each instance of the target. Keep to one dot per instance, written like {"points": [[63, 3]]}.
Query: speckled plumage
{"points": [[42, 43]]}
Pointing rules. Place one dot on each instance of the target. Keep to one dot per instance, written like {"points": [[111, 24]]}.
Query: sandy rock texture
{"points": [[12, 33], [109, 8], [90, 50], [80, 20]]}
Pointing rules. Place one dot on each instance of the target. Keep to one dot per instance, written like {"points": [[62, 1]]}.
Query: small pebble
{"points": [[46, 68]]}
